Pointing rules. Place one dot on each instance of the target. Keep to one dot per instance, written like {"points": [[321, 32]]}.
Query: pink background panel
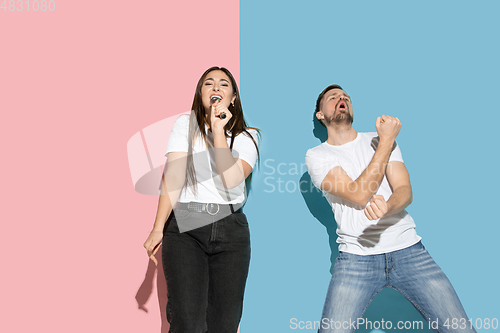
{"points": [[75, 85]]}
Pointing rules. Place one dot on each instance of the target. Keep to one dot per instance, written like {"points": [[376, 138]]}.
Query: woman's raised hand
{"points": [[217, 124]]}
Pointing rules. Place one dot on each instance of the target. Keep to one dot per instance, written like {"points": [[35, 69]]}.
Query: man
{"points": [[366, 182]]}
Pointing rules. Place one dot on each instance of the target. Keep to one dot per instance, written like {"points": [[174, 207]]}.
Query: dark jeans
{"points": [[206, 271]]}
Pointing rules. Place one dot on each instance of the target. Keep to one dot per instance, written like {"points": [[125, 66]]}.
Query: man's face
{"points": [[336, 108]]}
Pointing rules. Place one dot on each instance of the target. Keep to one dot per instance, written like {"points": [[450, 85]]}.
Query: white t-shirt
{"points": [[210, 188], [357, 234]]}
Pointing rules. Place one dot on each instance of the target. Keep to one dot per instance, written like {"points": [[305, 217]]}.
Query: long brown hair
{"points": [[235, 126]]}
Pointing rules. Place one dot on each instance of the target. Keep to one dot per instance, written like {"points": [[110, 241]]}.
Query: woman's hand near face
{"points": [[216, 123]]}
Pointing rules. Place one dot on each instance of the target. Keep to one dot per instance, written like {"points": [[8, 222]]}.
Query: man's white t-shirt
{"points": [[356, 233], [210, 188]]}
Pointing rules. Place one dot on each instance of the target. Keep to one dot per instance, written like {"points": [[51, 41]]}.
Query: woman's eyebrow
{"points": [[211, 79]]}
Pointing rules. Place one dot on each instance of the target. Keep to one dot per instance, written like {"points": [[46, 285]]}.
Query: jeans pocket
{"points": [[341, 256], [417, 250], [240, 219]]}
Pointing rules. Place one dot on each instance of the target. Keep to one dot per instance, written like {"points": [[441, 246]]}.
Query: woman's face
{"points": [[217, 84]]}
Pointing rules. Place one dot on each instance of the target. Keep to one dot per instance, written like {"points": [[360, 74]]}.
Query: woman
{"points": [[206, 242]]}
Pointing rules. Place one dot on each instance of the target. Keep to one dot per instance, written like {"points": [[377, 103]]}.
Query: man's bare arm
{"points": [[359, 191], [401, 197], [399, 179]]}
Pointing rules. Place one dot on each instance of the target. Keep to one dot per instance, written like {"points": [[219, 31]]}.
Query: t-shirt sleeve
{"points": [[244, 147], [318, 166], [178, 140], [396, 155]]}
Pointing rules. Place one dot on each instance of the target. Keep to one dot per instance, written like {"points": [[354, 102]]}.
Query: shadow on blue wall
{"points": [[322, 211], [389, 305]]}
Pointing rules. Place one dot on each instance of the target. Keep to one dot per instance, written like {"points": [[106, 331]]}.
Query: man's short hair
{"points": [[320, 97]]}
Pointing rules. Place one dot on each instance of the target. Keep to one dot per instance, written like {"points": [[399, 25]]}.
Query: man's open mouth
{"points": [[342, 106]]}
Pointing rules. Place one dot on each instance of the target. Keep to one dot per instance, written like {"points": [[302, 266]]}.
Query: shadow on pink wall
{"points": [[146, 289]]}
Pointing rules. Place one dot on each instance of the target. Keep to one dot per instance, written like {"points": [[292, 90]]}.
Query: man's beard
{"points": [[340, 118]]}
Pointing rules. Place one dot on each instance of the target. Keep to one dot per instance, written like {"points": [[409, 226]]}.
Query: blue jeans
{"points": [[206, 271], [411, 271]]}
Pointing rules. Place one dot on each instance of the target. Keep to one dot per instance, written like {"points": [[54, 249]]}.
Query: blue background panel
{"points": [[432, 64]]}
